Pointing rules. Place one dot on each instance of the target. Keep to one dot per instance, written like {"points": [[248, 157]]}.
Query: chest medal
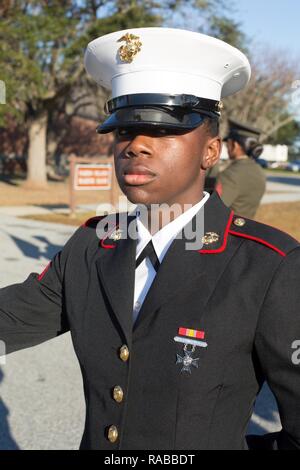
{"points": [[187, 360], [191, 338]]}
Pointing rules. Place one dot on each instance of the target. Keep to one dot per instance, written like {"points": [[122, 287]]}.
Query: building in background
{"points": [[273, 156]]}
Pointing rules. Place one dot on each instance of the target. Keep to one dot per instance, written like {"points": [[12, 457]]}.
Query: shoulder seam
{"points": [[259, 240], [285, 234]]}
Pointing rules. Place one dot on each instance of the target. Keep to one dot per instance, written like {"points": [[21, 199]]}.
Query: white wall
{"points": [[275, 153], [272, 153]]}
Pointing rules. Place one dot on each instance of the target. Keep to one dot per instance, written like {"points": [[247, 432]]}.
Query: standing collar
{"points": [[217, 223], [163, 238]]}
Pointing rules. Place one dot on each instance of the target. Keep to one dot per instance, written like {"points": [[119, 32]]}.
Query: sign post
{"points": [[92, 174]]}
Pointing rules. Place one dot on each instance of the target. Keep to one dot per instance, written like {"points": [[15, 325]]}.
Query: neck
{"points": [[159, 215], [241, 157]]}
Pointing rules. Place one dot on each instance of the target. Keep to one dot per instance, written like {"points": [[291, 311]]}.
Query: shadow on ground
{"points": [[7, 180], [52, 206], [265, 410], [30, 250], [7, 441], [285, 180]]}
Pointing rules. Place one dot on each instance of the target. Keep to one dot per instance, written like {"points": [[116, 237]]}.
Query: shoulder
{"points": [[250, 165], [104, 224], [257, 232], [236, 168], [108, 220], [257, 168], [92, 231], [92, 222], [107, 226], [231, 173]]}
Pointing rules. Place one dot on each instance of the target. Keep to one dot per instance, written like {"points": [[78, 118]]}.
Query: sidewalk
{"points": [[27, 246], [42, 403], [276, 192], [20, 211], [41, 398], [280, 192]]}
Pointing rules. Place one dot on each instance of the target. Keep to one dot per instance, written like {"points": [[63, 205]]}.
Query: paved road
{"points": [[289, 179], [41, 397], [282, 188]]}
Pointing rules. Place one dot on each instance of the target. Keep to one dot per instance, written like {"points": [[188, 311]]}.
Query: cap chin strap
{"points": [[185, 102]]}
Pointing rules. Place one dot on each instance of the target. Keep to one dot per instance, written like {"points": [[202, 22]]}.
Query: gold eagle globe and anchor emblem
{"points": [[128, 51], [116, 235], [210, 237]]}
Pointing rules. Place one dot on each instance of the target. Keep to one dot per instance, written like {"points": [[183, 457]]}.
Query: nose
{"points": [[140, 145]]}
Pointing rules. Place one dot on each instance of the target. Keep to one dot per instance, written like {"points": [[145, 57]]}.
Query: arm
{"points": [[227, 187], [278, 330], [33, 312]]}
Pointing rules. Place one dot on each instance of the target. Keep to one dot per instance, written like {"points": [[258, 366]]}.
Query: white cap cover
{"points": [[167, 61]]}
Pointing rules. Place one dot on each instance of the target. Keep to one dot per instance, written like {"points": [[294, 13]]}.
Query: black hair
{"points": [[213, 126]]}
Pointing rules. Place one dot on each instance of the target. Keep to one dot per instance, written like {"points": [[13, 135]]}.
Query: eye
{"points": [[123, 132], [162, 131]]}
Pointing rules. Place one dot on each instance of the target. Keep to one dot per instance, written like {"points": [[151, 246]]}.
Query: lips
{"points": [[137, 175]]}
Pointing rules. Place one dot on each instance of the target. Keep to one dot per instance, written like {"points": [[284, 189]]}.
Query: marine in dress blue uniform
{"points": [[173, 344]]}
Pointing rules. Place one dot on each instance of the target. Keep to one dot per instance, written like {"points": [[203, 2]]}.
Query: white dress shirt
{"points": [[145, 272]]}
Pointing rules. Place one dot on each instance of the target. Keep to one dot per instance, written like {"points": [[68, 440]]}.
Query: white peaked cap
{"points": [[170, 61]]}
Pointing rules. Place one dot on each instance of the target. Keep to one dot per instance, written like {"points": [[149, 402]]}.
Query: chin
{"points": [[138, 195]]}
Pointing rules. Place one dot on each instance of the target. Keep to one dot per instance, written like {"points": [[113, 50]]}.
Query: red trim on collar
{"points": [[107, 236], [85, 224], [223, 246], [40, 276], [259, 240]]}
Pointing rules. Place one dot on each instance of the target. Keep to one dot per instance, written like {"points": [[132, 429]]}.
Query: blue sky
{"points": [[272, 22]]}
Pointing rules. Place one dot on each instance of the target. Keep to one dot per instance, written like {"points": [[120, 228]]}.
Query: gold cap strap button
{"points": [[113, 433], [124, 353], [118, 394], [239, 222]]}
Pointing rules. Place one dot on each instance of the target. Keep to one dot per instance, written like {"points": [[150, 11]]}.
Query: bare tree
{"points": [[266, 101]]}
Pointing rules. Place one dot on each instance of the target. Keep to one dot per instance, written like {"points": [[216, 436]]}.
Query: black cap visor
{"points": [[133, 117]]}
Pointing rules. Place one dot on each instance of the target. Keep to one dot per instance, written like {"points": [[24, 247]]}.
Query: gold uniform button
{"points": [[118, 394], [239, 222], [124, 353], [113, 433]]}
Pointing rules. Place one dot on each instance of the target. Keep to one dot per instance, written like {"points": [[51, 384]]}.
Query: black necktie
{"points": [[149, 252]]}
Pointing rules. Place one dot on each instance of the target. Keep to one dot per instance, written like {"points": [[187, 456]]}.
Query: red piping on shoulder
{"points": [[85, 224], [40, 277], [223, 246], [107, 236], [259, 240]]}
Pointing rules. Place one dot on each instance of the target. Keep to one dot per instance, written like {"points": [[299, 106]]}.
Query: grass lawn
{"points": [[284, 216], [15, 193]]}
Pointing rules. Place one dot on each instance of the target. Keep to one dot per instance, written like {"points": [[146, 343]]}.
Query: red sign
{"points": [[92, 177]]}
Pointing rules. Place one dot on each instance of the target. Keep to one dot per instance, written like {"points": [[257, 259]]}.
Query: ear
{"points": [[238, 149], [212, 152]]}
